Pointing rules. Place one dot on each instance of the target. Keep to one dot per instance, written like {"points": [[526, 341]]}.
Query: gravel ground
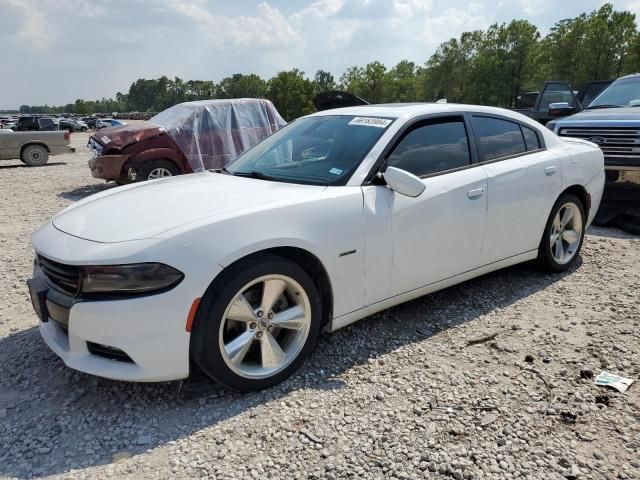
{"points": [[404, 394]]}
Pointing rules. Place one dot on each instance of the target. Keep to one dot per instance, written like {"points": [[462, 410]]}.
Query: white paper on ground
{"points": [[607, 379]]}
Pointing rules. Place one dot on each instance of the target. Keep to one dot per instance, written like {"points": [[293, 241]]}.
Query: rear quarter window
{"points": [[531, 138]]}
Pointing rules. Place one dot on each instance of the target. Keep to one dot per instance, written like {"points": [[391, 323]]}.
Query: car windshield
{"points": [[621, 93], [322, 150]]}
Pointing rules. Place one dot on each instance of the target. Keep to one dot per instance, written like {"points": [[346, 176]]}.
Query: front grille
{"points": [[615, 142], [108, 352], [65, 277]]}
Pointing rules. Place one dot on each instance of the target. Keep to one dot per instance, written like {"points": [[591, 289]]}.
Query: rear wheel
{"points": [[155, 169], [34, 155], [564, 234], [256, 324]]}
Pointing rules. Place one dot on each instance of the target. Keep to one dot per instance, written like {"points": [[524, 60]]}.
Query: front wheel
{"points": [[155, 169], [256, 324], [564, 234]]}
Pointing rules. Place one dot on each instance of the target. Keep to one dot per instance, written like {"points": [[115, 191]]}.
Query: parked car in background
{"points": [[537, 104], [72, 125], [8, 124], [90, 121], [334, 217], [33, 123], [612, 121], [33, 148], [188, 137], [108, 122]]}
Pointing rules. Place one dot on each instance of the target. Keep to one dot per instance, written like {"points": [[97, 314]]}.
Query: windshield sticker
{"points": [[105, 139], [371, 122], [335, 171]]}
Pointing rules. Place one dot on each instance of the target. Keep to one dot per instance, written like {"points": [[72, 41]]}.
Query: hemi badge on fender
{"points": [[344, 254]]}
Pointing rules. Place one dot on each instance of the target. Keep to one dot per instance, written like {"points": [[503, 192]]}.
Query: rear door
{"points": [[524, 182]]}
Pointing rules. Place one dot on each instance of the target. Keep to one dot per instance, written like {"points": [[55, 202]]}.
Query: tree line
{"points": [[487, 67]]}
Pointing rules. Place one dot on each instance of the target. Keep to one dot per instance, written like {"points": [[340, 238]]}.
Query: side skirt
{"points": [[356, 315]]}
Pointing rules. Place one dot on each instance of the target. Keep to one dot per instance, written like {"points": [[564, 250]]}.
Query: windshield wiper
{"points": [[254, 174], [603, 106]]}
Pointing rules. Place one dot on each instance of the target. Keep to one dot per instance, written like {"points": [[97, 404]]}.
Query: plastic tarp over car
{"points": [[212, 133]]}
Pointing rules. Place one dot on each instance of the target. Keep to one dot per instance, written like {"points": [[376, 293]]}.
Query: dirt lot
{"points": [[361, 408]]}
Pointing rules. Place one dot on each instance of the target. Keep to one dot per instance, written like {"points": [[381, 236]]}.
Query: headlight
{"points": [[129, 279], [551, 125]]}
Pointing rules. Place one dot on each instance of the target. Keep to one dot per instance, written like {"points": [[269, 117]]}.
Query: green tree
{"points": [[242, 86], [323, 82], [401, 83], [291, 93]]}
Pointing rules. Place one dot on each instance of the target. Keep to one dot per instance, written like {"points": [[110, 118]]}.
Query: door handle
{"points": [[550, 170], [475, 193]]}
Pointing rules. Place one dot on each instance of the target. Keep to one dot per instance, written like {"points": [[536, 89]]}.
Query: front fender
{"points": [[330, 228]]}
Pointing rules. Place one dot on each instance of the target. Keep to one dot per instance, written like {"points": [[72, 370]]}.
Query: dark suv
{"points": [[29, 124]]}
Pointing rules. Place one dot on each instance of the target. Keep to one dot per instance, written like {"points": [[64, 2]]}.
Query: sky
{"points": [[54, 51]]}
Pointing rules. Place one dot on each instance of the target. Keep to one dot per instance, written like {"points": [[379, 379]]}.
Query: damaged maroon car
{"points": [[186, 138]]}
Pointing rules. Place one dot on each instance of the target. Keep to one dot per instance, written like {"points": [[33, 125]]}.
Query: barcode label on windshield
{"points": [[371, 122]]}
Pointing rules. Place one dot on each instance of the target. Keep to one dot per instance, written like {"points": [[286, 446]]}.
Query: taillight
{"points": [[67, 135]]}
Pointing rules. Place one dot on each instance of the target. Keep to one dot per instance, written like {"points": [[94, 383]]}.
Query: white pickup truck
{"points": [[33, 148]]}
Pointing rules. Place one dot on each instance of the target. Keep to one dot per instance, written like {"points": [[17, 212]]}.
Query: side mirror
{"points": [[403, 182], [560, 109]]}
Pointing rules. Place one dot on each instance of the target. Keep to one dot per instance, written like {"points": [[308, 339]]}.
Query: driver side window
{"points": [[432, 147]]}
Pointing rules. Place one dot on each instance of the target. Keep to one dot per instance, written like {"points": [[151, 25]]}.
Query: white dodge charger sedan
{"points": [[337, 216]]}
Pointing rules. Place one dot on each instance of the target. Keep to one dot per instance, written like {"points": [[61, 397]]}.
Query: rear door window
{"points": [[497, 138]]}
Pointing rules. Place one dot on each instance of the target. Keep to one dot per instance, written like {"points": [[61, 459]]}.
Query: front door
{"points": [[413, 242]]}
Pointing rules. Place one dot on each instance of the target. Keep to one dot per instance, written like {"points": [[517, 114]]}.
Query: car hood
{"points": [[121, 136], [604, 114], [145, 210]]}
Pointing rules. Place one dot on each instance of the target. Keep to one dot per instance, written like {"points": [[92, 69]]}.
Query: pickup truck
{"points": [[612, 121], [33, 148], [536, 104]]}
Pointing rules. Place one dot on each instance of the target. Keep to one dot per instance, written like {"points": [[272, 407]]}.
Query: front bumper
{"points": [[108, 167], [146, 333]]}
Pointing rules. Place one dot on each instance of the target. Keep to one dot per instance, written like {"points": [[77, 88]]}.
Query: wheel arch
{"points": [[30, 144], [580, 192], [306, 260]]}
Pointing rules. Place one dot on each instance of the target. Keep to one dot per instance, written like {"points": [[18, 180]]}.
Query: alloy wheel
{"points": [[159, 172], [265, 326], [566, 233]]}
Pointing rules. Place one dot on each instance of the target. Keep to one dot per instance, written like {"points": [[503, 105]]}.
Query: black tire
{"points": [[34, 155], [151, 165], [545, 256], [205, 349]]}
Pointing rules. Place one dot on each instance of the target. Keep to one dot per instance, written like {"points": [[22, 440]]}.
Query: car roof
{"points": [[410, 110]]}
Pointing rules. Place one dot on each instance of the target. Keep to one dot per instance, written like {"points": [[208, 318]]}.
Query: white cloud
{"points": [[267, 29], [94, 48], [533, 8], [35, 29]]}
